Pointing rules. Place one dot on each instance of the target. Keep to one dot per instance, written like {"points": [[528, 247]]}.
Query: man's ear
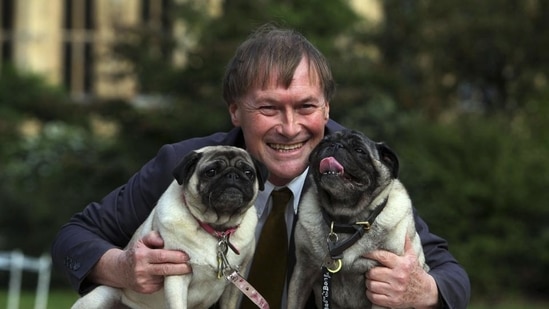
{"points": [[262, 173], [235, 114], [186, 167], [327, 111], [389, 158]]}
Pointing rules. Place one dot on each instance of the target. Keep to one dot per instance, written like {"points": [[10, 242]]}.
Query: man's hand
{"points": [[142, 267], [400, 282]]}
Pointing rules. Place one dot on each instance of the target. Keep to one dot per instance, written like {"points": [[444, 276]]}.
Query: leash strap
{"points": [[248, 290], [223, 265], [326, 288], [336, 248], [232, 275]]}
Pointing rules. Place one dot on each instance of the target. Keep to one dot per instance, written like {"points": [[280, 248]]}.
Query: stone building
{"points": [[68, 41]]}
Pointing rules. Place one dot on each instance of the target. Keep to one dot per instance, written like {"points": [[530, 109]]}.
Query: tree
{"points": [[487, 55]]}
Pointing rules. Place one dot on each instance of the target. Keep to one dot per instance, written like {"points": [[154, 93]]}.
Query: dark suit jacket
{"points": [[110, 223]]}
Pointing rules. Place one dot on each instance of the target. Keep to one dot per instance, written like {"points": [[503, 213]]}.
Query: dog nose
{"points": [[336, 146], [232, 176]]}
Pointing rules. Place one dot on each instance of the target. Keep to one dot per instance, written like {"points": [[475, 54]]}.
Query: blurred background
{"points": [[90, 89]]}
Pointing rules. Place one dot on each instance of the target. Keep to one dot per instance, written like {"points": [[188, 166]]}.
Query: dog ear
{"points": [[262, 173], [185, 168], [389, 158]]}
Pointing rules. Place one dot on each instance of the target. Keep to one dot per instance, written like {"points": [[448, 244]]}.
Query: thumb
{"points": [[409, 246], [383, 257], [153, 240]]}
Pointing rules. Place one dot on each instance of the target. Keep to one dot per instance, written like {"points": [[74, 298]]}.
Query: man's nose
{"points": [[289, 123]]}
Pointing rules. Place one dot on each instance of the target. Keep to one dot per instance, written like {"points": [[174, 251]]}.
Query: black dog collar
{"points": [[336, 247]]}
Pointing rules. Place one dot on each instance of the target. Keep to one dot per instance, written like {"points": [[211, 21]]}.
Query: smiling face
{"points": [[282, 125]]}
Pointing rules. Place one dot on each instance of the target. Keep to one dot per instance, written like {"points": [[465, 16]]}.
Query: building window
{"points": [[155, 14], [6, 30], [78, 43]]}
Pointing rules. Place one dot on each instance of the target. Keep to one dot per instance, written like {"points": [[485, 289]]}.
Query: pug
{"points": [[207, 211], [355, 205]]}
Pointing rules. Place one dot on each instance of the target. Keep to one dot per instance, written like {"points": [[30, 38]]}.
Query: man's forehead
{"points": [[276, 77]]}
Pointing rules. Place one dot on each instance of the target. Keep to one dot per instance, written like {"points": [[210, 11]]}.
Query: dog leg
{"points": [[176, 291], [101, 297], [301, 286], [229, 298]]}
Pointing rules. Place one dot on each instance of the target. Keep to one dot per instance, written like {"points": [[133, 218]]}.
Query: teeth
{"points": [[331, 173], [285, 147]]}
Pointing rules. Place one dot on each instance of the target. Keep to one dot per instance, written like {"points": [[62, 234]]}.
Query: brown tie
{"points": [[268, 269]]}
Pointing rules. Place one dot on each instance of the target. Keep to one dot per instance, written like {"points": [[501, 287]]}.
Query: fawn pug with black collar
{"points": [[355, 205], [206, 211]]}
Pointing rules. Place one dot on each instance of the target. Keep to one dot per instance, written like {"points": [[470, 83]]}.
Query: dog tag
{"points": [[332, 265], [219, 266], [222, 246], [222, 263]]}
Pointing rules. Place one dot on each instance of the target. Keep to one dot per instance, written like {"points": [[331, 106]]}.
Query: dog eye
{"points": [[249, 174], [360, 150], [210, 173]]}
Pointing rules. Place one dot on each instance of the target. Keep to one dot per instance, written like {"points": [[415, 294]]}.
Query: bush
{"points": [[481, 183]]}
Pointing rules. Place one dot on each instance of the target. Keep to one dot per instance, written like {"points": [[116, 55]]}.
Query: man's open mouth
{"points": [[286, 147]]}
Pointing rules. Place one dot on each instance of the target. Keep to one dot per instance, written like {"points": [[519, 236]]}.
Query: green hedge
{"points": [[480, 181]]}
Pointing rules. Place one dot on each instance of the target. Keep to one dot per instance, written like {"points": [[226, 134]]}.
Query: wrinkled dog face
{"points": [[220, 182], [350, 170]]}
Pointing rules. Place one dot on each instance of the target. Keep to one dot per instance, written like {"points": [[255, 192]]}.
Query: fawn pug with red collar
{"points": [[355, 205], [206, 211]]}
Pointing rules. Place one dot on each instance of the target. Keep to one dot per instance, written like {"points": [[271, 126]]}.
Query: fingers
{"points": [[169, 269], [148, 263], [385, 286], [161, 261], [378, 298], [399, 280], [168, 263], [156, 255]]}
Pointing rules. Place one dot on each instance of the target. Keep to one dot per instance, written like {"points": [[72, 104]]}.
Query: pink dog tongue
{"points": [[330, 164]]}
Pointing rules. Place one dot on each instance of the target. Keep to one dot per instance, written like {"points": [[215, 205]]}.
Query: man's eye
{"points": [[268, 110], [307, 109]]}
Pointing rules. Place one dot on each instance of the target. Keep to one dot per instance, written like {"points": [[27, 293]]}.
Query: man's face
{"points": [[282, 126]]}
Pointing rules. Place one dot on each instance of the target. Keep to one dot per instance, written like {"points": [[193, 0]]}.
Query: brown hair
{"points": [[268, 51]]}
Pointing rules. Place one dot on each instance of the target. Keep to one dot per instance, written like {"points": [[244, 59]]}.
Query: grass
{"points": [[61, 299], [508, 305], [57, 299]]}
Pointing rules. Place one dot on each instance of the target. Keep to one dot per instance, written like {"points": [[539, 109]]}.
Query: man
{"points": [[278, 88]]}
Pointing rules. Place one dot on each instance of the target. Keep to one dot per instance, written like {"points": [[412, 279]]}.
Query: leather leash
{"points": [[224, 268], [333, 264]]}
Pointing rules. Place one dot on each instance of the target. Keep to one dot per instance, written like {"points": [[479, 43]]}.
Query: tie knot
{"points": [[281, 197]]}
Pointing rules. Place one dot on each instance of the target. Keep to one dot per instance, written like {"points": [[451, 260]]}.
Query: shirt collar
{"points": [[296, 186]]}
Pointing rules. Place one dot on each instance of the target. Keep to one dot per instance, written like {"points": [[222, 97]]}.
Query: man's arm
{"points": [[108, 225], [400, 281], [452, 281], [141, 268]]}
